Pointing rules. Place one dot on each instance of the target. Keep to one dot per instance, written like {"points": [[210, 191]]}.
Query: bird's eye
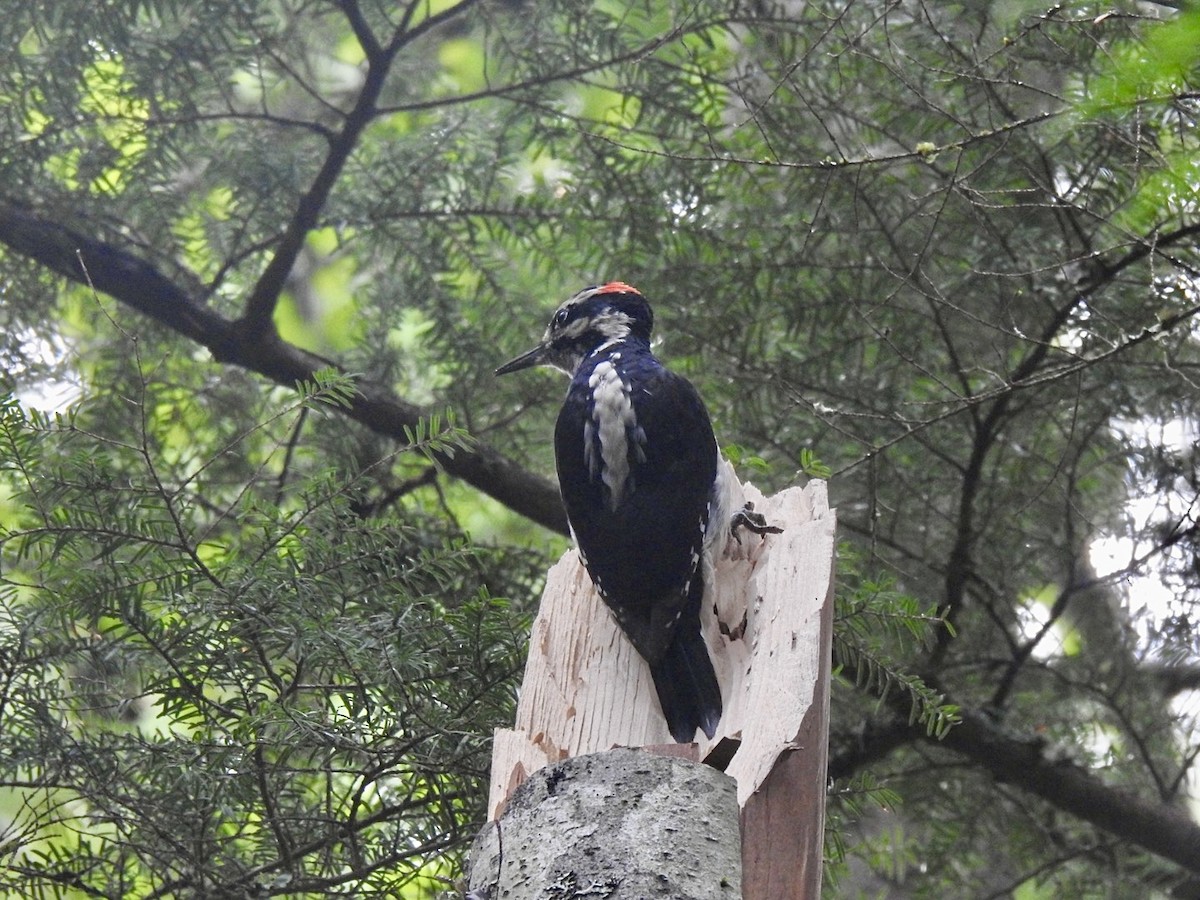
{"points": [[560, 318]]}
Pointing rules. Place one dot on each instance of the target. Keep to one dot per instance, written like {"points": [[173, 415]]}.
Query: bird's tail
{"points": [[687, 684]]}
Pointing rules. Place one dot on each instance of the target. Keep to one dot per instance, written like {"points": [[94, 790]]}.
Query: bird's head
{"points": [[597, 316]]}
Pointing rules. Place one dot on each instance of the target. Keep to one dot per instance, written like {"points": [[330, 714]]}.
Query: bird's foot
{"points": [[753, 521]]}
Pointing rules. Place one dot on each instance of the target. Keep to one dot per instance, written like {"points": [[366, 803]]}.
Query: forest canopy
{"points": [[272, 534]]}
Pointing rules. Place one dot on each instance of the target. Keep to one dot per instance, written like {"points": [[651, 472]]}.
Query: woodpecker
{"points": [[637, 468]]}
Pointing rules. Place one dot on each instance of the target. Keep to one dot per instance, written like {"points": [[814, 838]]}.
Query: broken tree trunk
{"points": [[767, 617], [623, 825]]}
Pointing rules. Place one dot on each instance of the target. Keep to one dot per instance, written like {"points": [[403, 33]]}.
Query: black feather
{"points": [[685, 681]]}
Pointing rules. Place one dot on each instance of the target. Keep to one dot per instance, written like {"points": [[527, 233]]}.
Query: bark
{"points": [[623, 824]]}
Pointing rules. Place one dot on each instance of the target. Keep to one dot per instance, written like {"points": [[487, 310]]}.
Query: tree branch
{"points": [[139, 285], [1165, 830], [1029, 764], [260, 306], [1025, 374]]}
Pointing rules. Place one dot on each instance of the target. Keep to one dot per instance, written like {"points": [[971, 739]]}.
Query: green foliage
{"points": [[811, 466], [942, 255], [739, 458], [1140, 74], [236, 690], [851, 802], [875, 624], [1160, 63]]}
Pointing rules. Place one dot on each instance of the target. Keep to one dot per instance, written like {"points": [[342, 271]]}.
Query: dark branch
{"points": [[1028, 763], [139, 285], [1175, 679], [1026, 374], [1165, 830], [260, 306]]}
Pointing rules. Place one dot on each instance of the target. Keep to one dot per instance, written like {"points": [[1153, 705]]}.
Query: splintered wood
{"points": [[767, 617]]}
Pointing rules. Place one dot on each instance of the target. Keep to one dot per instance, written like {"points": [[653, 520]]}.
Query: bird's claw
{"points": [[753, 521]]}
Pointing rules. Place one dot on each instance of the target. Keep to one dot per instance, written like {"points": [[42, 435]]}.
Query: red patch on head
{"points": [[617, 287]]}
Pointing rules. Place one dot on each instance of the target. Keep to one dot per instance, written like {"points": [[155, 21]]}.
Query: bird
{"points": [[636, 459]]}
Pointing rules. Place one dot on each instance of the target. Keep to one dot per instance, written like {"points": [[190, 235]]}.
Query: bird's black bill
{"points": [[524, 361]]}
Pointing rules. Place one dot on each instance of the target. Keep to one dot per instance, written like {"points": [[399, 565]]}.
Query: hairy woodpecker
{"points": [[637, 467]]}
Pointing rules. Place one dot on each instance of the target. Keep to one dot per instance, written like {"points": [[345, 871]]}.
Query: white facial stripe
{"points": [[571, 331], [613, 414], [613, 325]]}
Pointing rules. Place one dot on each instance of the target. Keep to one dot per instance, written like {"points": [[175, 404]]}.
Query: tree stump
{"points": [[767, 617], [624, 825]]}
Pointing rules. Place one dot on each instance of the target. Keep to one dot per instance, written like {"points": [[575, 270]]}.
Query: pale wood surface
{"points": [[586, 689]]}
